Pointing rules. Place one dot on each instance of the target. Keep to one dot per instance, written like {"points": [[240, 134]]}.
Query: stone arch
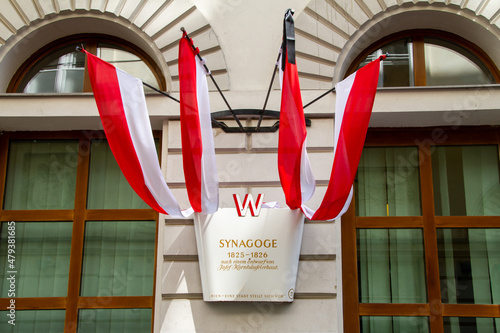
{"points": [[461, 22], [154, 27], [330, 33]]}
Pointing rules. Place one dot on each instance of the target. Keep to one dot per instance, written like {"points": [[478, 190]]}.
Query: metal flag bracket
{"points": [[218, 117]]}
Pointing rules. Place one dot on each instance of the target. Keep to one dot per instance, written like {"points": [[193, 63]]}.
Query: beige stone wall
{"points": [[247, 164]]}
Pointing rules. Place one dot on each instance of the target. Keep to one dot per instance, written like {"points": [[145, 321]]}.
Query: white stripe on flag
{"points": [[343, 90], [307, 180], [209, 177]]}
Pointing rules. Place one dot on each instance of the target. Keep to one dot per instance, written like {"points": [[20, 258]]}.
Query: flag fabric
{"points": [[198, 150], [353, 108], [294, 169], [355, 97], [122, 107]]}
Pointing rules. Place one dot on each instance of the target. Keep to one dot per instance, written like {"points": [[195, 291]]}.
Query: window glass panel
{"points": [[469, 265], [108, 188], [127, 62], [41, 255], [29, 321], [469, 324], [387, 182], [397, 70], [391, 266], [447, 63], [466, 180], [376, 324], [118, 258], [114, 320], [61, 71], [41, 174]]}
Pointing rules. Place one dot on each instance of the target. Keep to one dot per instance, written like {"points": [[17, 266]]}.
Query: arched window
{"points": [[59, 68], [429, 58]]}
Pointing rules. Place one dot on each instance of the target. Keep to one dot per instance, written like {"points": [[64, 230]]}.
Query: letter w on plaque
{"points": [[248, 202]]}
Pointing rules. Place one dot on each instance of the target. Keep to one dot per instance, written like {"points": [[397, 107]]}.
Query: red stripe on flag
{"points": [[109, 103], [192, 146], [351, 141], [292, 135]]}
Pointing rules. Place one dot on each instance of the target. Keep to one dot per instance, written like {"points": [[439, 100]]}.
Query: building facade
{"points": [[417, 251]]}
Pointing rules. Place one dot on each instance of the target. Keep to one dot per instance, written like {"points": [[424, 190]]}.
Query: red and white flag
{"points": [[355, 97], [122, 107], [198, 150], [353, 108]]}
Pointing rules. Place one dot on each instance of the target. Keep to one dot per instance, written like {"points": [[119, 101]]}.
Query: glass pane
{"points": [[391, 266], [118, 258], [29, 321], [469, 324], [466, 180], [127, 62], [397, 70], [469, 265], [447, 63], [376, 324], [41, 174], [59, 72], [387, 182], [108, 188], [39, 265], [114, 320]]}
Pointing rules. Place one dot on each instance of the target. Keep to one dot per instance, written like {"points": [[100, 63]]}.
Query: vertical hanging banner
{"points": [[249, 254], [198, 151]]}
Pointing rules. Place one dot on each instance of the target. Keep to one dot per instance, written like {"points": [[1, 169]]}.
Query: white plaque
{"points": [[249, 258]]}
